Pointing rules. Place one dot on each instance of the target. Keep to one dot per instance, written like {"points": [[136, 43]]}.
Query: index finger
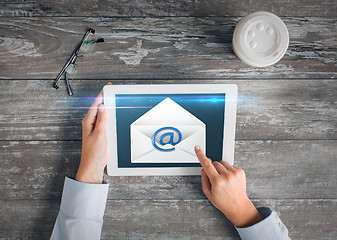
{"points": [[206, 164]]}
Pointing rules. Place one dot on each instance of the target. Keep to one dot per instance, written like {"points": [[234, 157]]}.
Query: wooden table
{"points": [[286, 137]]}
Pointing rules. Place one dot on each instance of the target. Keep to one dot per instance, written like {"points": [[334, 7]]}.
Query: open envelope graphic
{"points": [[166, 134]]}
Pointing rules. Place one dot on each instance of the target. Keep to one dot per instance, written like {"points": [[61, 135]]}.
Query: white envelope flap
{"points": [[144, 140], [197, 138], [184, 129], [140, 143], [177, 156], [167, 112]]}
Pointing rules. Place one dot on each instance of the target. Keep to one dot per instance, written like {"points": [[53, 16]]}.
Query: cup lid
{"points": [[260, 39]]}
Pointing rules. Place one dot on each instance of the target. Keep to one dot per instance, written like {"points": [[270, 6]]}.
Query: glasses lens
{"points": [[88, 44], [71, 71]]}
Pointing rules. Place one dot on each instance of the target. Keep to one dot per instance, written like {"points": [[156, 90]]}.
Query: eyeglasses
{"points": [[69, 70]]}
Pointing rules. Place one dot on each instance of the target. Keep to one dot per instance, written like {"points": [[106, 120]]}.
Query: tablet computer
{"points": [[153, 129]]}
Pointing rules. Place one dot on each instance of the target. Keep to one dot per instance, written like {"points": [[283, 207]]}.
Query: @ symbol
{"points": [[170, 141]]}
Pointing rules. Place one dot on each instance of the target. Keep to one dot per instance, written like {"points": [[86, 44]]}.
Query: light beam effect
{"points": [[105, 107], [130, 100]]}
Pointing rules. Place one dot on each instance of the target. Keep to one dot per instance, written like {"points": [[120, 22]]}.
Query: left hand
{"points": [[94, 156]]}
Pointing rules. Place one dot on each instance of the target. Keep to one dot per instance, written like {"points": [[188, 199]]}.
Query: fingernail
{"points": [[101, 108], [197, 147]]}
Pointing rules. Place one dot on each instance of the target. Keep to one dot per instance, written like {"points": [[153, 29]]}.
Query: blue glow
{"points": [[213, 100], [184, 99], [105, 107], [135, 101], [187, 99]]}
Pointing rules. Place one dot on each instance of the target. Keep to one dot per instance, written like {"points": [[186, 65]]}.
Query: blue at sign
{"points": [[170, 141]]}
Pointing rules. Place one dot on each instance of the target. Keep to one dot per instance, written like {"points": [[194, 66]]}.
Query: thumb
{"points": [[102, 118]]}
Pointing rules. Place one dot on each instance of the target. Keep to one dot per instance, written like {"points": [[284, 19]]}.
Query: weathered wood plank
{"points": [[170, 219], [284, 109], [147, 8], [274, 169], [305, 219], [161, 48], [141, 50]]}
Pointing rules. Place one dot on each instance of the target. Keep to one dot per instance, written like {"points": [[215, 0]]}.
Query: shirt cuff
{"points": [[84, 200], [271, 227]]}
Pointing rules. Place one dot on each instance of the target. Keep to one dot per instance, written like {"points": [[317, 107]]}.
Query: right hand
{"points": [[225, 186]]}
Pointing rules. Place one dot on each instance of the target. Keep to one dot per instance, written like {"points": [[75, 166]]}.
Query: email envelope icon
{"points": [[166, 134]]}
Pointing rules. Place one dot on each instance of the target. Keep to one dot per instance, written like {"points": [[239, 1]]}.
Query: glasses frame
{"points": [[72, 60]]}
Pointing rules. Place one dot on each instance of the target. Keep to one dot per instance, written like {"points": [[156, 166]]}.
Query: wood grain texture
{"points": [[284, 109], [274, 169], [286, 124], [159, 48], [146, 8], [170, 219]]}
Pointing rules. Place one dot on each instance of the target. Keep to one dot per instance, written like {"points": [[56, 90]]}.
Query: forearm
{"points": [[270, 227], [81, 212]]}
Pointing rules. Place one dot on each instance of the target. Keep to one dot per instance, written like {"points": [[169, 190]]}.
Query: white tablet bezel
{"points": [[109, 93]]}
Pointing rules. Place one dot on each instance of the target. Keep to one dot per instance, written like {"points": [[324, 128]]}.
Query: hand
{"points": [[225, 186], [94, 156]]}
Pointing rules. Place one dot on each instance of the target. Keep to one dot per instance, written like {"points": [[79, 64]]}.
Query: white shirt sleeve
{"points": [[81, 212], [271, 228]]}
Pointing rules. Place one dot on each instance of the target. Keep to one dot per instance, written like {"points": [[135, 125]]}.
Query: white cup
{"points": [[260, 39]]}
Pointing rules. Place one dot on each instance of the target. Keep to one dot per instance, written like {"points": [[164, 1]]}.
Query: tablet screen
{"points": [[161, 130]]}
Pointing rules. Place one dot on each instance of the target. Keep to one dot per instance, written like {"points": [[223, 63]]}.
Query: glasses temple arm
{"points": [[69, 90], [71, 60]]}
